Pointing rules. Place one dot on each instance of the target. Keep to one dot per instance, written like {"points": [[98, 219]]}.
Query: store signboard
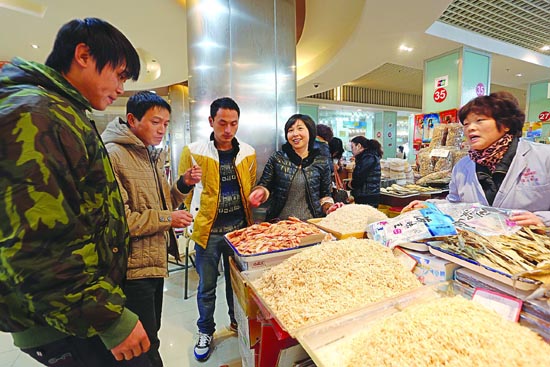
{"points": [[544, 116]]}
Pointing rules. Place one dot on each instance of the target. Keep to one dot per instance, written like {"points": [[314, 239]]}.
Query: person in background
{"points": [[401, 152], [365, 182], [322, 141], [336, 147], [297, 178], [148, 202], [218, 204], [501, 169], [63, 233]]}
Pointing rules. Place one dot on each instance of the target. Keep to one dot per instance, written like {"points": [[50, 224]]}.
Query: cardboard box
{"points": [[245, 307], [242, 291], [249, 330], [431, 269]]}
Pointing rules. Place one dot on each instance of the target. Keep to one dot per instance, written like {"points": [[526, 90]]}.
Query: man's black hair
{"points": [[224, 103], [141, 102], [108, 46]]}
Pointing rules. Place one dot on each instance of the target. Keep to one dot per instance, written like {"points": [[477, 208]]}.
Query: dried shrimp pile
{"points": [[264, 237], [449, 332], [332, 278], [524, 253], [352, 218]]}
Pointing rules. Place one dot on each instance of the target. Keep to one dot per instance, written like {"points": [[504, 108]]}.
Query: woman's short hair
{"points": [[325, 132], [502, 106], [310, 124]]}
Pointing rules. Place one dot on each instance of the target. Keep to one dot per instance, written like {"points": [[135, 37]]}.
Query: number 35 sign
{"points": [[440, 94]]}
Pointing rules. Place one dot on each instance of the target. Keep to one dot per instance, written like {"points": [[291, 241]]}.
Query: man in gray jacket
{"points": [[149, 203]]}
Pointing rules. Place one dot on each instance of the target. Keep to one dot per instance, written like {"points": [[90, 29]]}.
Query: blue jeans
{"points": [[207, 261]]}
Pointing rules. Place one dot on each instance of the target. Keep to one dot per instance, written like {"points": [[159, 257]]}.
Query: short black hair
{"points": [[108, 46], [502, 106], [336, 147], [141, 102], [310, 124], [225, 103], [325, 132]]}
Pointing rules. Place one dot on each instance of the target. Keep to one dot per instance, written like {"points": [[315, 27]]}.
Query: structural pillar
{"points": [[385, 131], [244, 49], [178, 95]]}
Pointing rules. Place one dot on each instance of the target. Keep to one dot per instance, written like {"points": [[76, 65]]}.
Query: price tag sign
{"points": [[440, 94], [506, 306], [544, 116], [440, 153]]}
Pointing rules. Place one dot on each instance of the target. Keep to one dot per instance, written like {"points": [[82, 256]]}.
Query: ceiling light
{"points": [[519, 74], [35, 46], [405, 48], [545, 48]]}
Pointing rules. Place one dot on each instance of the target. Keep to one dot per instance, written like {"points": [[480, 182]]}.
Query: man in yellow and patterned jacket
{"points": [[63, 233], [219, 205]]}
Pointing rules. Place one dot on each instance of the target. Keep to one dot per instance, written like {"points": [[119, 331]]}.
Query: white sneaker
{"points": [[203, 347]]}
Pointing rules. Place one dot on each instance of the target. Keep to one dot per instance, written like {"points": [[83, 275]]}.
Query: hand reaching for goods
{"points": [[415, 204], [526, 218]]}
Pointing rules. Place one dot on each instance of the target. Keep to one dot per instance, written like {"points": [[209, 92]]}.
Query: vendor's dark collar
{"points": [[234, 143]]}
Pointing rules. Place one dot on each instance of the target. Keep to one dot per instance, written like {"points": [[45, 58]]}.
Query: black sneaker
{"points": [[203, 348], [233, 326]]}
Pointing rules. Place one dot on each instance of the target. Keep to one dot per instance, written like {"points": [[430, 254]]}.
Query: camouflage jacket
{"points": [[63, 232]]}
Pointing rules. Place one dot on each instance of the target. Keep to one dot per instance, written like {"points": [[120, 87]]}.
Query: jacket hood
{"points": [[20, 71], [117, 131]]}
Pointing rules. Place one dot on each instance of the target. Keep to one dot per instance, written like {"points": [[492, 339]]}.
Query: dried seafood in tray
{"points": [[268, 237]]}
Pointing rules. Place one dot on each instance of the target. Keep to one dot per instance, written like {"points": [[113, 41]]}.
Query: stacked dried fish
{"points": [[524, 253]]}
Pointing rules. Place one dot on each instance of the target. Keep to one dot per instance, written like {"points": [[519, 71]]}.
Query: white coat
{"points": [[526, 185]]}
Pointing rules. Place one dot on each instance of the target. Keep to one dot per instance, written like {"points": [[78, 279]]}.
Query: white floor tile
{"points": [[177, 334]]}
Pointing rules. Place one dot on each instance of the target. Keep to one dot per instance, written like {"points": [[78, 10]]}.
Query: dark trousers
{"points": [[144, 298], [77, 352]]}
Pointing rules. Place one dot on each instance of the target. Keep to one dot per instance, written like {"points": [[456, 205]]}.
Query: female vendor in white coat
{"points": [[501, 170]]}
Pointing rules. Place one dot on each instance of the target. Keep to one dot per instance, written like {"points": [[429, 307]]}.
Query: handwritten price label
{"points": [[440, 94]]}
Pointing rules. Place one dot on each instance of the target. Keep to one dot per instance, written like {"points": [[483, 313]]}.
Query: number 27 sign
{"points": [[440, 94], [544, 116]]}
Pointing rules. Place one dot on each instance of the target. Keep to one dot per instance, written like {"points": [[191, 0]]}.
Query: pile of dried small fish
{"points": [[525, 253]]}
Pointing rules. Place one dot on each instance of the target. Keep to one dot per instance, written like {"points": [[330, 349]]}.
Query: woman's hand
{"points": [[525, 218], [256, 197], [334, 206], [415, 204]]}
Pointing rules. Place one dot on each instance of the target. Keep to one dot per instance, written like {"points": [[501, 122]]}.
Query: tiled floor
{"points": [[177, 334]]}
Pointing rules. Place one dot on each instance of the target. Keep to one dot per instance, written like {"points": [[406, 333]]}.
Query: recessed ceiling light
{"points": [[35, 46], [545, 48], [405, 48], [519, 74]]}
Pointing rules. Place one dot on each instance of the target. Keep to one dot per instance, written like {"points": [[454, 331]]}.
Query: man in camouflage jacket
{"points": [[63, 232]]}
